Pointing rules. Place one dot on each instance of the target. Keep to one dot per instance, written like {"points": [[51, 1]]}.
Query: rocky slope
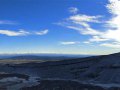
{"points": [[101, 71]]}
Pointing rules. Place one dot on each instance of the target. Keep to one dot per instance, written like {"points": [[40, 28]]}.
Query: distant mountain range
{"points": [[41, 56]]}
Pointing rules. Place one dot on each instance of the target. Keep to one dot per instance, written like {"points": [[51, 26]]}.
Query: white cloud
{"points": [[79, 18], [73, 10], [113, 31], [22, 32], [69, 43], [97, 39], [14, 33], [111, 45], [85, 30], [43, 32], [7, 22], [82, 23]]}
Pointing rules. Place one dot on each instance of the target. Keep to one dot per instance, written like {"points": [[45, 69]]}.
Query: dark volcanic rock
{"points": [[6, 75], [62, 85]]}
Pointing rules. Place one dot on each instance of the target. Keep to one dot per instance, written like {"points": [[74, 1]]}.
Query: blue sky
{"points": [[60, 26]]}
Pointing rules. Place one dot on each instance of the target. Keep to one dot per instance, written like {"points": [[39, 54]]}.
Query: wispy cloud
{"points": [[69, 43], [82, 24], [14, 33], [81, 18], [43, 32], [7, 22], [111, 45], [22, 32], [73, 10]]}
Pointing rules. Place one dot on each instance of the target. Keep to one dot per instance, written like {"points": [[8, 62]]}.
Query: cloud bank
{"points": [[109, 37]]}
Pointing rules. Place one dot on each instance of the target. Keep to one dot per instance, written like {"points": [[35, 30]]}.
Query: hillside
{"points": [[102, 71]]}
